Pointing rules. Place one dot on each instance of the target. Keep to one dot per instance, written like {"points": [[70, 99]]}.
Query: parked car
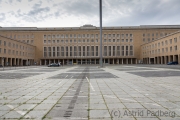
{"points": [[54, 65], [172, 63], [1, 66]]}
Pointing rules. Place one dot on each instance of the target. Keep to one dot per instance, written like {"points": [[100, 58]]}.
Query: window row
{"points": [[86, 35], [87, 41], [13, 52], [20, 36], [154, 34], [13, 45], [161, 50], [87, 51], [166, 42]]}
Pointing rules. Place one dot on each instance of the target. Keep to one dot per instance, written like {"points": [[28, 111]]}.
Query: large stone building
{"points": [[81, 45]]}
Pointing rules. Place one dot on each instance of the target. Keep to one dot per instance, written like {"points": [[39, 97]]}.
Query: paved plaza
{"points": [[122, 92]]}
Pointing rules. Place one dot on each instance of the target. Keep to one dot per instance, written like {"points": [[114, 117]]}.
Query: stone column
{"points": [[126, 60], [113, 61], [131, 60], [122, 62]]}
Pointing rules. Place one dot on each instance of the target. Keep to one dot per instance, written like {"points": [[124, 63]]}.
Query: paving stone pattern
{"points": [[88, 92]]}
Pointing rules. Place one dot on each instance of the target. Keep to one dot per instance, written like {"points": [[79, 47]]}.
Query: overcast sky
{"points": [[75, 13]]}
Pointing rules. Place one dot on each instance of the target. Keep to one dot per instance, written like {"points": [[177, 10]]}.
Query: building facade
{"points": [[15, 53], [81, 45], [163, 50]]}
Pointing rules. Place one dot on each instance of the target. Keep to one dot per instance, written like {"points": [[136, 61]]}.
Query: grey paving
{"points": [[133, 92]]}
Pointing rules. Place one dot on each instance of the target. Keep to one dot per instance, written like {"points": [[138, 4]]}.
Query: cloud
{"points": [[78, 12], [2, 16]]}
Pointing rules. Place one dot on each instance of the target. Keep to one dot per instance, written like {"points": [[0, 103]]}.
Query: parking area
{"points": [[137, 92]]}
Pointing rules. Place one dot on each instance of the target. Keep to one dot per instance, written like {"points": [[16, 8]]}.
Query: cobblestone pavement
{"points": [[87, 92]]}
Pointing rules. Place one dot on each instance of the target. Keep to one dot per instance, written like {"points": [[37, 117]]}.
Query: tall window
{"points": [[62, 51], [105, 50], [54, 50], [122, 50], [96, 50], [127, 51], [79, 50], [84, 51], [114, 50], [49, 51], [45, 52], [70, 51], [58, 52], [88, 51], [75, 51], [67, 51], [131, 50], [109, 50], [92, 50], [118, 51]]}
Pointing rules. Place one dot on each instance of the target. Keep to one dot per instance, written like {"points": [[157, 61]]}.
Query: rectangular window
{"points": [[170, 49], [131, 50], [96, 50], [79, 50], [127, 51], [105, 50], [109, 50], [62, 51], [54, 50], [66, 51], [122, 50], [175, 48], [49, 51], [114, 50], [118, 51], [58, 52], [175, 40], [0, 42], [44, 41], [88, 51], [84, 51], [75, 51], [92, 50], [45, 52], [4, 43]]}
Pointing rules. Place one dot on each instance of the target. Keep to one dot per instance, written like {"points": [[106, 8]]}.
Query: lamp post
{"points": [[100, 16]]}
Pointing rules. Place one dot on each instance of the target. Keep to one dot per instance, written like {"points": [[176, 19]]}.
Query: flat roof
{"points": [[89, 27]]}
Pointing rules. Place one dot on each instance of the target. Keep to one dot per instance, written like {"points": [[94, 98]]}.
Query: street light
{"points": [[100, 16]]}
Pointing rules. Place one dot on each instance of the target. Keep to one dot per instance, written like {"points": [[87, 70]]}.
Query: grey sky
{"points": [[75, 13]]}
